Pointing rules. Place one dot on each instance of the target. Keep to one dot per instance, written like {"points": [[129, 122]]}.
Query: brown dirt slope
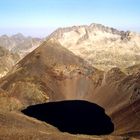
{"points": [[52, 73]]}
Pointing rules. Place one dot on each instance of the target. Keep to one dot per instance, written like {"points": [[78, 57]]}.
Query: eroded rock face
{"points": [[103, 47], [73, 116]]}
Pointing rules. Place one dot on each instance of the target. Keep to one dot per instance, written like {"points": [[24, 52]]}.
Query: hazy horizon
{"points": [[40, 17]]}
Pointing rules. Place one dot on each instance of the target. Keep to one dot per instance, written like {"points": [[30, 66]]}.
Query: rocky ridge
{"points": [[103, 47]]}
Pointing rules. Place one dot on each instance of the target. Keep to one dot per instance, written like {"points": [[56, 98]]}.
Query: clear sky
{"points": [[40, 17]]}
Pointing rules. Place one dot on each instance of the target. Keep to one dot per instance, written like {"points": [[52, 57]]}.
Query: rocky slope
{"points": [[101, 46], [52, 73], [119, 95], [126, 119]]}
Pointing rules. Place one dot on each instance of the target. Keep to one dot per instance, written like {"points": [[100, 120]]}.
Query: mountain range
{"points": [[103, 47], [65, 67], [19, 43], [7, 60], [14, 48]]}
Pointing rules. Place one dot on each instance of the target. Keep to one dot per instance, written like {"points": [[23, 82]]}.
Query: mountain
{"points": [[133, 69], [49, 73], [7, 60], [19, 43], [14, 48], [119, 95], [123, 117], [57, 71], [53, 73], [103, 47]]}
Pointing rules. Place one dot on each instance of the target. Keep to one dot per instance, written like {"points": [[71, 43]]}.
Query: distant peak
{"points": [[18, 35], [92, 27], [4, 36], [96, 25]]}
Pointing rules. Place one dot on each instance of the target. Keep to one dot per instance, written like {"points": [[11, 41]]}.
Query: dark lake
{"points": [[73, 116]]}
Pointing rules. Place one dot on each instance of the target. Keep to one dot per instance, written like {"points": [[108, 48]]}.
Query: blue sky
{"points": [[40, 17]]}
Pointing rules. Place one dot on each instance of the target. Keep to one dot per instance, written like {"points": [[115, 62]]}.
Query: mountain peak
{"points": [[102, 46], [4, 36], [18, 36]]}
